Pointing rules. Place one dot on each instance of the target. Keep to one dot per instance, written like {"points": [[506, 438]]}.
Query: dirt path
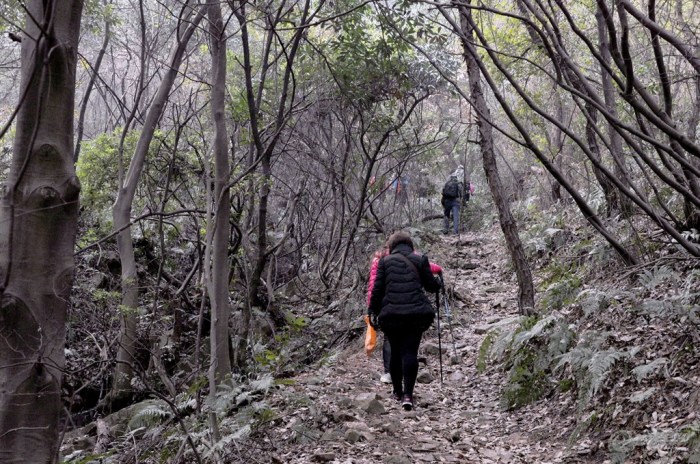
{"points": [[345, 415]]}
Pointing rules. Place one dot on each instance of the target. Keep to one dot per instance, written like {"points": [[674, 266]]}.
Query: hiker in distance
{"points": [[400, 307], [453, 195]]}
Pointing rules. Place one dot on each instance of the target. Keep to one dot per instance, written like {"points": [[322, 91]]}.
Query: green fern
{"points": [[263, 384], [562, 293], [591, 364], [528, 347], [502, 337], [684, 444], [150, 415], [652, 278], [592, 302], [526, 383], [225, 399], [227, 441], [560, 340], [600, 366], [521, 338], [578, 357], [690, 435]]}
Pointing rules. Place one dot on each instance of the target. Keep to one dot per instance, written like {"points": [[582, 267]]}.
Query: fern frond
{"points": [[150, 415], [561, 338], [600, 366], [263, 384], [634, 350], [226, 397], [590, 363], [655, 308], [592, 301], [654, 277], [579, 357], [523, 337], [223, 445], [621, 447]]}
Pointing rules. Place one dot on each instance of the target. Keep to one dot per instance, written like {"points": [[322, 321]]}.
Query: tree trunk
{"points": [[616, 152], [220, 310], [526, 289], [122, 211], [611, 193], [39, 220], [558, 159]]}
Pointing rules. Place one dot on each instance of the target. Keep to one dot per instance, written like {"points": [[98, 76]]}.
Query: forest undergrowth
{"points": [[606, 372]]}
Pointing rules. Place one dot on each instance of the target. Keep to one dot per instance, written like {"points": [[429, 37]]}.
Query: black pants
{"points": [[404, 358]]}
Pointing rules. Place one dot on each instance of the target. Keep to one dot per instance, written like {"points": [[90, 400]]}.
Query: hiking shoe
{"points": [[407, 402], [385, 378], [396, 396]]}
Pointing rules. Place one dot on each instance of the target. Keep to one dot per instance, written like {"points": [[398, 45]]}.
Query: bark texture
{"points": [[220, 311], [39, 212]]}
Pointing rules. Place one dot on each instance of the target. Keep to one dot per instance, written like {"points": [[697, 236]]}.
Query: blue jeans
{"points": [[451, 209]]}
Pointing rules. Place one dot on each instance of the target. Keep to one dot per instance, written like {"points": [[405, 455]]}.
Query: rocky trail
{"points": [[341, 413]]}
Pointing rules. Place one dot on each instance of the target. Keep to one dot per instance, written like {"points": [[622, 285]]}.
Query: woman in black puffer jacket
{"points": [[403, 310]]}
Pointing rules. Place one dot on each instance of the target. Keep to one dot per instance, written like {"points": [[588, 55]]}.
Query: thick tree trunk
{"points": [[122, 211], [39, 218], [526, 289]]}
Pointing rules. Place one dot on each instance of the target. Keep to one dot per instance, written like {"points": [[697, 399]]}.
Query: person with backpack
{"points": [[386, 347], [399, 306], [452, 195]]}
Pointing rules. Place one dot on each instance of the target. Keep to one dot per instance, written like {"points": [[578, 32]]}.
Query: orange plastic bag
{"points": [[370, 338]]}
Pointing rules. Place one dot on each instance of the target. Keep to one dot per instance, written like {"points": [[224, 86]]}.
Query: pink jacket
{"points": [[434, 268]]}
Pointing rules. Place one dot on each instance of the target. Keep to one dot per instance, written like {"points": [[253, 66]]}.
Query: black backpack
{"points": [[451, 189]]}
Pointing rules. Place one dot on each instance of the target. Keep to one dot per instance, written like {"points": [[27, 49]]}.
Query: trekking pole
{"points": [[449, 316], [437, 304]]}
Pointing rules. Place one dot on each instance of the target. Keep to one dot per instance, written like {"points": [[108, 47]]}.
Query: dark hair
{"points": [[397, 238]]}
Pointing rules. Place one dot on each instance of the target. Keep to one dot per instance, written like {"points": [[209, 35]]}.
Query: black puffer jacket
{"points": [[398, 297]]}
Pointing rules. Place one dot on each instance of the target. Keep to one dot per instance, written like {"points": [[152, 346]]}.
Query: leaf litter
{"points": [[458, 421]]}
